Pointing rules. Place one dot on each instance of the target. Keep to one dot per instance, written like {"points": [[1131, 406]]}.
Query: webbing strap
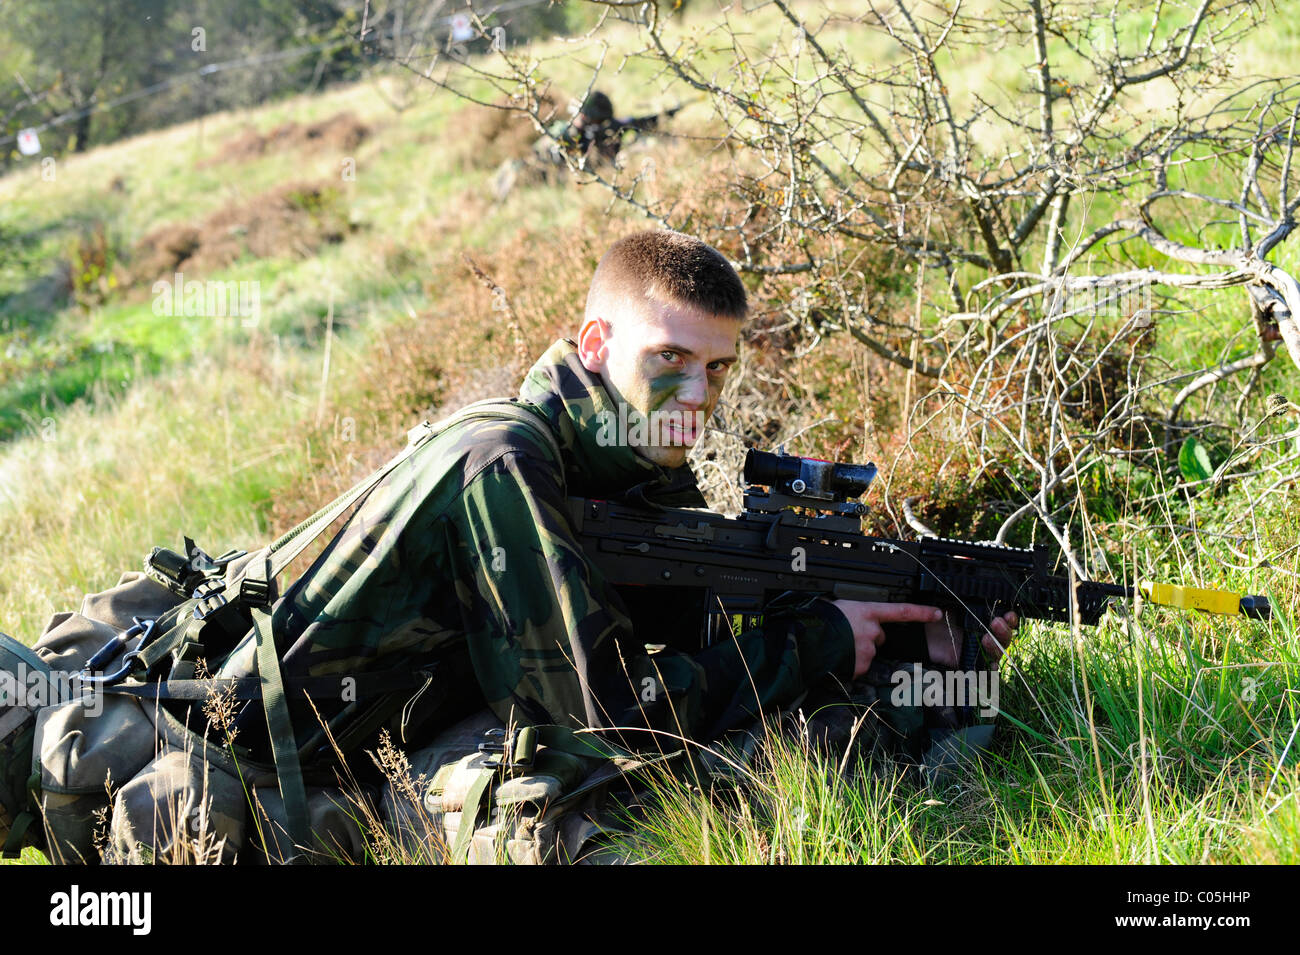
{"points": [[475, 797], [575, 743], [284, 747], [13, 846], [172, 635]]}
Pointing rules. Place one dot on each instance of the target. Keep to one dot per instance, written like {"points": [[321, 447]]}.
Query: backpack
{"points": [[135, 647], [17, 730]]}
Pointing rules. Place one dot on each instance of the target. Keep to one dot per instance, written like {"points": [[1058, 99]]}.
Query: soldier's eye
{"points": [[668, 355]]}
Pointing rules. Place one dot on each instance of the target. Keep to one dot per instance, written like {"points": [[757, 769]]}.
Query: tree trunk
{"points": [[82, 133]]}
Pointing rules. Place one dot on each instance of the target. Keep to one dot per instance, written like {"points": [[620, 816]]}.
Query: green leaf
{"points": [[1194, 461]]}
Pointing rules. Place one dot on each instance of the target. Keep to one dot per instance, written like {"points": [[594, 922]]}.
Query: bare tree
{"points": [[1057, 214]]}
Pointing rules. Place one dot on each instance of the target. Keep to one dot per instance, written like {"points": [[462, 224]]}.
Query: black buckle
{"points": [[182, 573], [210, 598], [254, 592], [517, 750], [185, 660]]}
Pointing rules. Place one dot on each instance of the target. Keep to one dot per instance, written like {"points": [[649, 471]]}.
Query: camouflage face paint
{"points": [[665, 387], [666, 365]]}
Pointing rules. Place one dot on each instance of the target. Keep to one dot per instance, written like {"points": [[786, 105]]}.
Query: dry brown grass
{"points": [[490, 136], [835, 399], [341, 133], [291, 220]]}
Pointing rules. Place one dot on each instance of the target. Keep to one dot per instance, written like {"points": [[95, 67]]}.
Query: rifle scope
{"points": [[808, 477]]}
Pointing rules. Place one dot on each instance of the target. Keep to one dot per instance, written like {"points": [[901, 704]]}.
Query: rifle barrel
{"points": [[745, 562]]}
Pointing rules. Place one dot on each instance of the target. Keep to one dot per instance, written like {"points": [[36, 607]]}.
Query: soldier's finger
{"points": [[905, 613], [871, 631]]}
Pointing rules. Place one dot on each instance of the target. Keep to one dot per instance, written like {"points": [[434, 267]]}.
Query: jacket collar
{"points": [[581, 411]]}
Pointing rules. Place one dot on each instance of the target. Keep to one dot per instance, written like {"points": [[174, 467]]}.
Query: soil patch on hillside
{"points": [[291, 220], [341, 133]]}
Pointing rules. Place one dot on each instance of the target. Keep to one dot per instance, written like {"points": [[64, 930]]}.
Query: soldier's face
{"points": [[666, 364]]}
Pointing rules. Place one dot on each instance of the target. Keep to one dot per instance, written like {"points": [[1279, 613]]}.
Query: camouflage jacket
{"points": [[468, 549], [561, 136]]}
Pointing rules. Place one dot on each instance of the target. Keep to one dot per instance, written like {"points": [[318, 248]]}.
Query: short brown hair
{"points": [[667, 267]]}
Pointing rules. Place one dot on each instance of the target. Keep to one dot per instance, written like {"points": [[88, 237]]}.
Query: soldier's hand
{"points": [[866, 617], [944, 637]]}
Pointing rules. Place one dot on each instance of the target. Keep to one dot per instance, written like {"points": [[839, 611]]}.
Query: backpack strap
{"points": [[293, 543], [254, 585], [15, 840]]}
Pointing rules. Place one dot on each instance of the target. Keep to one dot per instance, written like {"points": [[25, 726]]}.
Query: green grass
{"points": [[123, 429], [1177, 763]]}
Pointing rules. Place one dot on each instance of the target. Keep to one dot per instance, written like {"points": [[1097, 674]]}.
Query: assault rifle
{"points": [[608, 136], [741, 564]]}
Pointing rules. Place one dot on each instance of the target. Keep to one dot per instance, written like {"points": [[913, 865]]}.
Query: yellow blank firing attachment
{"points": [[1211, 601]]}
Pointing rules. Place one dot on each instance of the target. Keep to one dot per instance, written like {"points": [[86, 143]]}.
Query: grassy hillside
{"points": [[123, 428]]}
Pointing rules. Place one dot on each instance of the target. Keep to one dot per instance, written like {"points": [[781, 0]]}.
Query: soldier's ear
{"points": [[593, 344]]}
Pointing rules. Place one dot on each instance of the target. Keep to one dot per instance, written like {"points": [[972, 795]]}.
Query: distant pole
{"points": [[203, 110], [325, 363]]}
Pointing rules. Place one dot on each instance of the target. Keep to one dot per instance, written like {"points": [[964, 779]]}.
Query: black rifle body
{"points": [[608, 135], [743, 563]]}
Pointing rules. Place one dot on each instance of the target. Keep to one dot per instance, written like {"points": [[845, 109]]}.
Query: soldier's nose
{"points": [[692, 394]]}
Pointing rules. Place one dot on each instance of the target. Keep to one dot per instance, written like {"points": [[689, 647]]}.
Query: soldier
{"points": [[463, 562], [572, 141], [484, 505], [593, 124]]}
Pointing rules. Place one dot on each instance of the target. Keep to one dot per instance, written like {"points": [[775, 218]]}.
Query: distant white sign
{"points": [[29, 144], [461, 29]]}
